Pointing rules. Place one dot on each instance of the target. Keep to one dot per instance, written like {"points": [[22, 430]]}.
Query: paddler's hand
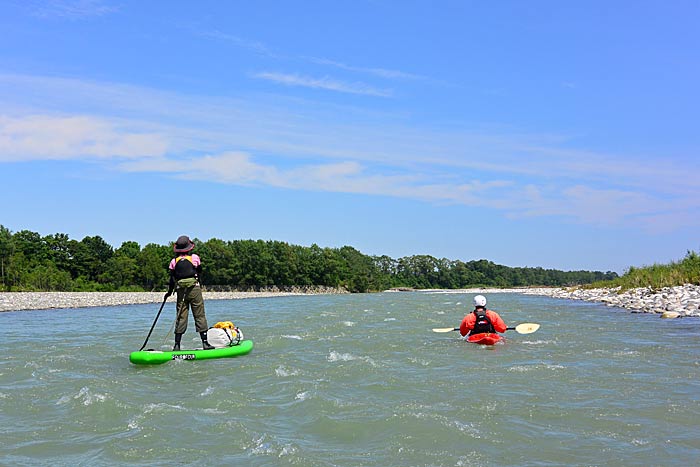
{"points": [[167, 294]]}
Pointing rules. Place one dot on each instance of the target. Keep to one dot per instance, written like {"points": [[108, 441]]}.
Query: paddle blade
{"points": [[526, 328], [445, 329]]}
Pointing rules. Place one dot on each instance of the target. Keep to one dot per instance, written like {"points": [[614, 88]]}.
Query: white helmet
{"points": [[479, 300]]}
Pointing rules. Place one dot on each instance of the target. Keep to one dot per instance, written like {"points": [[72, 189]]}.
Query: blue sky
{"points": [[540, 133]]}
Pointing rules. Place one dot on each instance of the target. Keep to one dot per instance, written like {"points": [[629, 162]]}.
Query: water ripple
{"points": [[354, 380]]}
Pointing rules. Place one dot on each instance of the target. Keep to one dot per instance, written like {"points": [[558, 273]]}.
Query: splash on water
{"points": [[346, 357], [537, 342], [340, 357], [85, 396], [284, 372], [539, 366]]}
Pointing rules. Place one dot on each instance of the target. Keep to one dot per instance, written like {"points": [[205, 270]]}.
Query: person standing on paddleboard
{"points": [[481, 320], [185, 271]]}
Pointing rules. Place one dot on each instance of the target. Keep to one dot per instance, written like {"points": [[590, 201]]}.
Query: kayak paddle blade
{"points": [[526, 328], [445, 329]]}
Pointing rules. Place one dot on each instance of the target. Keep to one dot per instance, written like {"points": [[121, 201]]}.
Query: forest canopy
{"points": [[32, 262]]}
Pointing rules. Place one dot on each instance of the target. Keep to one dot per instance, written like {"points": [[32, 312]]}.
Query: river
{"points": [[353, 380]]}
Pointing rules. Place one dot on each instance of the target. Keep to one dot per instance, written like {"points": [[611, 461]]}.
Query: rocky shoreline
{"points": [[17, 301], [668, 302]]}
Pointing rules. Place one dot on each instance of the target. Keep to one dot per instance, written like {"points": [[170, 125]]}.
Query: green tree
{"points": [[359, 270], [153, 261], [308, 265], [122, 268], [219, 263], [7, 249], [333, 268], [46, 278], [56, 262], [34, 248], [59, 246], [130, 248]]}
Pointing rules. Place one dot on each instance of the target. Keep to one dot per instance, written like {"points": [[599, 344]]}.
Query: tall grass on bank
{"points": [[686, 271]]}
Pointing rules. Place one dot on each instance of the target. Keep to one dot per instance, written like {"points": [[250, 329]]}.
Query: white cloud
{"points": [[239, 168], [231, 167], [306, 145], [323, 83], [39, 137]]}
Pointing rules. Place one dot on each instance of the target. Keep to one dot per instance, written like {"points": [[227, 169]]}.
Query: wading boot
{"points": [[178, 338], [205, 344]]}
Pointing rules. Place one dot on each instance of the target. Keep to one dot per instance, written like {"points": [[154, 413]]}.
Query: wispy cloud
{"points": [[240, 168], [381, 72], [298, 145], [263, 49], [255, 46], [70, 9], [585, 203], [579, 203], [323, 83], [41, 137]]}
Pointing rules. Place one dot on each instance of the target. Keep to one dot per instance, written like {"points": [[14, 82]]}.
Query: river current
{"points": [[353, 380]]}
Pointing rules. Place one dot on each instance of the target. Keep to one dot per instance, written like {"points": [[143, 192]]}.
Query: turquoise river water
{"points": [[353, 380]]}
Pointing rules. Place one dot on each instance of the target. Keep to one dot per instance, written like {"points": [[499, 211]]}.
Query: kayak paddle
{"points": [[524, 328]]}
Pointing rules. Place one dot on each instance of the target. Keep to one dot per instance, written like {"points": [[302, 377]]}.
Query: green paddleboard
{"points": [[156, 357]]}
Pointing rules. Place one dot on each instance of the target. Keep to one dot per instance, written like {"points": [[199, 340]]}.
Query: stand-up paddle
{"points": [[154, 323], [524, 328]]}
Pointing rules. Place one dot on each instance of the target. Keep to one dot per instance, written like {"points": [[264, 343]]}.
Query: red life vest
{"points": [[483, 322]]}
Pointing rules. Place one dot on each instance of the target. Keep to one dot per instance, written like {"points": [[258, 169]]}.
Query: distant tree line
{"points": [[31, 262]]}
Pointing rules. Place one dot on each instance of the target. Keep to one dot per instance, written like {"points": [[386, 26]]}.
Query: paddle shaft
{"points": [[154, 324], [523, 328]]}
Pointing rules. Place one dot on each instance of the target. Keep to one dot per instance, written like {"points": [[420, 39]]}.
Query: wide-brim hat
{"points": [[183, 244]]}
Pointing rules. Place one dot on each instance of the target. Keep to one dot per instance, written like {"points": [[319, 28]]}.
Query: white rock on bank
{"points": [[681, 300], [15, 301]]}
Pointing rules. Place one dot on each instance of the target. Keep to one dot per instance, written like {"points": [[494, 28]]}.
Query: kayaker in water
{"points": [[481, 319], [185, 271]]}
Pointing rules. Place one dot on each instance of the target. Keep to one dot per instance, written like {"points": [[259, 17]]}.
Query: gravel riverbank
{"points": [[15, 301], [668, 302]]}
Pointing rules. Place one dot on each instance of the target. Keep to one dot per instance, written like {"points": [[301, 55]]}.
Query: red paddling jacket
{"points": [[491, 323]]}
